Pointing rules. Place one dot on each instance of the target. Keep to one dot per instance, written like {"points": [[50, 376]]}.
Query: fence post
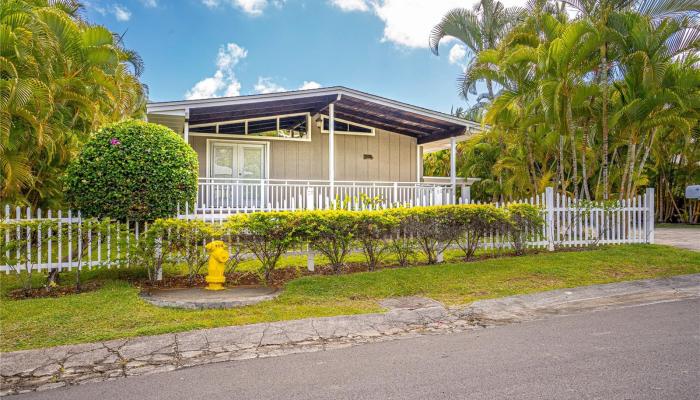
{"points": [[310, 261], [650, 214], [549, 204], [159, 250]]}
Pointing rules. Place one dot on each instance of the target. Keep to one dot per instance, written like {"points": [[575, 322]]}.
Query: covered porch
{"points": [[321, 148]]}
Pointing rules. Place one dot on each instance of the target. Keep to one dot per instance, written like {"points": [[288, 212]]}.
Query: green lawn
{"points": [[115, 310]]}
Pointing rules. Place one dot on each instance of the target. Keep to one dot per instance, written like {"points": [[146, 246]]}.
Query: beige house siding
{"points": [[394, 157]]}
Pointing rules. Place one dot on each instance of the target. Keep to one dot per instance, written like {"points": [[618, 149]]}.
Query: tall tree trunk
{"points": [[626, 173], [560, 165], [489, 88], [633, 164], [531, 163], [647, 150], [604, 121], [584, 172], [574, 158]]}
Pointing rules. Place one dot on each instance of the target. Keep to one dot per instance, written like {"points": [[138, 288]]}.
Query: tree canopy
{"points": [[60, 79], [596, 97]]}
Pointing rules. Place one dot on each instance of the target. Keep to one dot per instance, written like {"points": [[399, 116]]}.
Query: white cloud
{"points": [[224, 81], [150, 3], [121, 13], [250, 7], [229, 55], [309, 85], [351, 5], [408, 22], [457, 54], [266, 85]]}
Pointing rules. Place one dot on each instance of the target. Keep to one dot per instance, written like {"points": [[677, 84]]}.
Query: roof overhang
{"points": [[425, 125]]}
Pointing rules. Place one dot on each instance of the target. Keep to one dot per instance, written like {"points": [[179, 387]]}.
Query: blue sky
{"points": [[207, 48]]}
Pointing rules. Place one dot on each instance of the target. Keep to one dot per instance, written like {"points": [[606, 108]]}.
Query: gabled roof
{"points": [[351, 105]]}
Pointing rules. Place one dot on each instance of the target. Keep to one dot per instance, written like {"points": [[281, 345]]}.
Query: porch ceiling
{"points": [[351, 105]]}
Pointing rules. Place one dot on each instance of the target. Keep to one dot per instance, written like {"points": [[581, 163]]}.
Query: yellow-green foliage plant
{"points": [[524, 221], [475, 221], [403, 245], [434, 228], [17, 238], [373, 231], [268, 235], [331, 233], [173, 240]]}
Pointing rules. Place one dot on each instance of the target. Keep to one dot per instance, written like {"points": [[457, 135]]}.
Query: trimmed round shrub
{"points": [[135, 170]]}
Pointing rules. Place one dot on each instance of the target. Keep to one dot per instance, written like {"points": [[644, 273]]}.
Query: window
{"points": [[347, 128], [285, 127]]}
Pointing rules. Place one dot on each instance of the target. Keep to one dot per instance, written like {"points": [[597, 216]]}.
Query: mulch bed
{"points": [[57, 291]]}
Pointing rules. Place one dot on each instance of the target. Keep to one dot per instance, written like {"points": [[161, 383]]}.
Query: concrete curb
{"points": [[42, 369]]}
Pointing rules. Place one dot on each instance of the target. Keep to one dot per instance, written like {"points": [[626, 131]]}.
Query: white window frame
{"points": [[247, 136], [266, 153], [337, 132]]}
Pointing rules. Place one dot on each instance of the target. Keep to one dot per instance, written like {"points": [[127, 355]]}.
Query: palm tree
{"points": [[562, 64], [660, 91], [479, 29], [60, 79], [599, 12]]}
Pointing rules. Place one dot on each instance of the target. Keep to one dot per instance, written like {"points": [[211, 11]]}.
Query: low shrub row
{"points": [[402, 232]]}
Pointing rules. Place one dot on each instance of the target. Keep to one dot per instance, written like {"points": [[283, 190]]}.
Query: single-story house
{"points": [[315, 148]]}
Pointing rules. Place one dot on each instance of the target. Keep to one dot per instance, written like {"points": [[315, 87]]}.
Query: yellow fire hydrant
{"points": [[218, 255]]}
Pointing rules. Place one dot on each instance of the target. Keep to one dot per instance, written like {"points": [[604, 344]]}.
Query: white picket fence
{"points": [[65, 241], [572, 223], [55, 244]]}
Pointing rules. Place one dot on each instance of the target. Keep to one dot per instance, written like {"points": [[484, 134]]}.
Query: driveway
{"points": [[640, 352], [683, 236]]}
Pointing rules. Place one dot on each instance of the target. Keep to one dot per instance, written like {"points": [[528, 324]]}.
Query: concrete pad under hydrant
{"points": [[200, 298]]}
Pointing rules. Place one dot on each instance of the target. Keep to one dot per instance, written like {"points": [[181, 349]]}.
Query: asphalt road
{"points": [[642, 352]]}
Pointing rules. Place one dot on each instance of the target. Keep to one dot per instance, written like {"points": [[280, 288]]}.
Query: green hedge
{"points": [[335, 233], [132, 170]]}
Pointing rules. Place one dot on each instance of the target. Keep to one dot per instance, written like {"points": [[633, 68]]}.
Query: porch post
{"points": [[453, 167], [186, 128], [419, 163], [331, 150]]}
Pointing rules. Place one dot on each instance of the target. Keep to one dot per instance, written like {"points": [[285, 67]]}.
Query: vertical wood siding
{"points": [[394, 157]]}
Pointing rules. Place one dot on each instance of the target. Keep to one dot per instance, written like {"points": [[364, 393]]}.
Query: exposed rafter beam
{"points": [[373, 123], [406, 117], [389, 120], [442, 135]]}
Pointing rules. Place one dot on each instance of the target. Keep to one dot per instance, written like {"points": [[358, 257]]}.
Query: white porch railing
{"points": [[244, 195]]}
